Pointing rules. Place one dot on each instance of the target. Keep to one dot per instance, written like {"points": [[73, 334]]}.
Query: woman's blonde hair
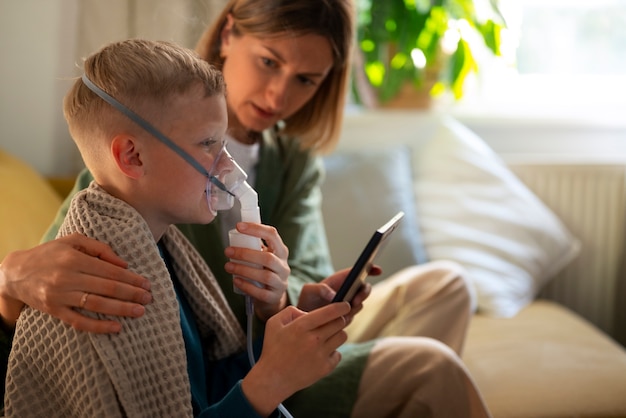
{"points": [[318, 123]]}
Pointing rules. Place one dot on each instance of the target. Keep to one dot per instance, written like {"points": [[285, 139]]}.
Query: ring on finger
{"points": [[83, 300]]}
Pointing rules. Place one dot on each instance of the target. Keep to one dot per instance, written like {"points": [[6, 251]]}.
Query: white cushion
{"points": [[473, 210], [363, 189]]}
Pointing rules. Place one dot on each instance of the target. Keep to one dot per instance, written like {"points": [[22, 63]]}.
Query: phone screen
{"points": [[356, 277]]}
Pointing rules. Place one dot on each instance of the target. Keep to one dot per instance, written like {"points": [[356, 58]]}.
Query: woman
{"points": [[286, 66]]}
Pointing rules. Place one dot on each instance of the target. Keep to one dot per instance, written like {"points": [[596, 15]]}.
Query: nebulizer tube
{"points": [[236, 185]]}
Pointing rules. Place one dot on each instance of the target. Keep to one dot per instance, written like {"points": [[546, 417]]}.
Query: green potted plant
{"points": [[421, 45]]}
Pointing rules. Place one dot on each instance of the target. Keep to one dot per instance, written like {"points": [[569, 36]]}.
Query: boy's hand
{"points": [[299, 349], [273, 274]]}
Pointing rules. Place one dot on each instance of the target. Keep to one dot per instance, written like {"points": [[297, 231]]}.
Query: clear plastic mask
{"points": [[225, 176]]}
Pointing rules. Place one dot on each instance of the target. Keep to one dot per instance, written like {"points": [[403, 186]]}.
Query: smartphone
{"points": [[356, 277]]}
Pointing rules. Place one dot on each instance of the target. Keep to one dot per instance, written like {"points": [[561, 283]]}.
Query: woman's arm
{"points": [[54, 277]]}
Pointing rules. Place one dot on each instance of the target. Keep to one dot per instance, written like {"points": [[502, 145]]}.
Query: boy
{"points": [[149, 176]]}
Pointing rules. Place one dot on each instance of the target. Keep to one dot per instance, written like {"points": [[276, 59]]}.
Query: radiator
{"points": [[590, 199]]}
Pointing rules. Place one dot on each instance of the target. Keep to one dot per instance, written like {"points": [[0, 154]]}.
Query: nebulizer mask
{"points": [[227, 182]]}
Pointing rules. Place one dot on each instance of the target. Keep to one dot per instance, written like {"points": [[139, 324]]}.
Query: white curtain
{"points": [[180, 21], [99, 22]]}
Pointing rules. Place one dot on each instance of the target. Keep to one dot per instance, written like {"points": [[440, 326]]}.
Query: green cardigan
{"points": [[288, 184]]}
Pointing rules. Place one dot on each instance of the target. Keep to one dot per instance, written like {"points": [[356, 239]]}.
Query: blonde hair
{"points": [[143, 75], [318, 123]]}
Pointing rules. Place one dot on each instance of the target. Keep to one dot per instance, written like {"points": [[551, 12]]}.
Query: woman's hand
{"points": [[299, 349], [315, 295], [55, 277], [272, 274]]}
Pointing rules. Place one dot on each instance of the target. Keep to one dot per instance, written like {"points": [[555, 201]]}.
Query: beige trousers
{"points": [[421, 315]]}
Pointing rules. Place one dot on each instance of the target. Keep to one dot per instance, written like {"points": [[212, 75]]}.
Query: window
{"points": [[569, 55]]}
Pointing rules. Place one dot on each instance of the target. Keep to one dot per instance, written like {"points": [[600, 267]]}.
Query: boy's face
{"points": [[198, 125]]}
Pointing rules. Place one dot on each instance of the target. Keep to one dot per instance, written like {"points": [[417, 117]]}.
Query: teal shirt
{"points": [[234, 403]]}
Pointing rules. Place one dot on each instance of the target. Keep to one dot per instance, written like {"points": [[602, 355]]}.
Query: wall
{"points": [[37, 49], [514, 137], [586, 134], [41, 41]]}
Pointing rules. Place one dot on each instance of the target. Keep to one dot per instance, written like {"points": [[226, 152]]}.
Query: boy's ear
{"points": [[126, 153], [225, 36]]}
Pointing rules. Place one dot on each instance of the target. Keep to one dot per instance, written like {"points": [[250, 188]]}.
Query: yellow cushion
{"points": [[546, 362], [28, 206]]}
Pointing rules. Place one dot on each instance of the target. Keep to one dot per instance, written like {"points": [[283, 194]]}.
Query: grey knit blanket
{"points": [[56, 371]]}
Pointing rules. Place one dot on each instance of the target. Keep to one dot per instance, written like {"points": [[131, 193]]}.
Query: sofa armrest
{"points": [[29, 205], [62, 185]]}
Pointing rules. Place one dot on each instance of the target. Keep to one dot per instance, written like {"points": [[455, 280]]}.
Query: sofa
{"points": [[548, 288], [541, 241]]}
